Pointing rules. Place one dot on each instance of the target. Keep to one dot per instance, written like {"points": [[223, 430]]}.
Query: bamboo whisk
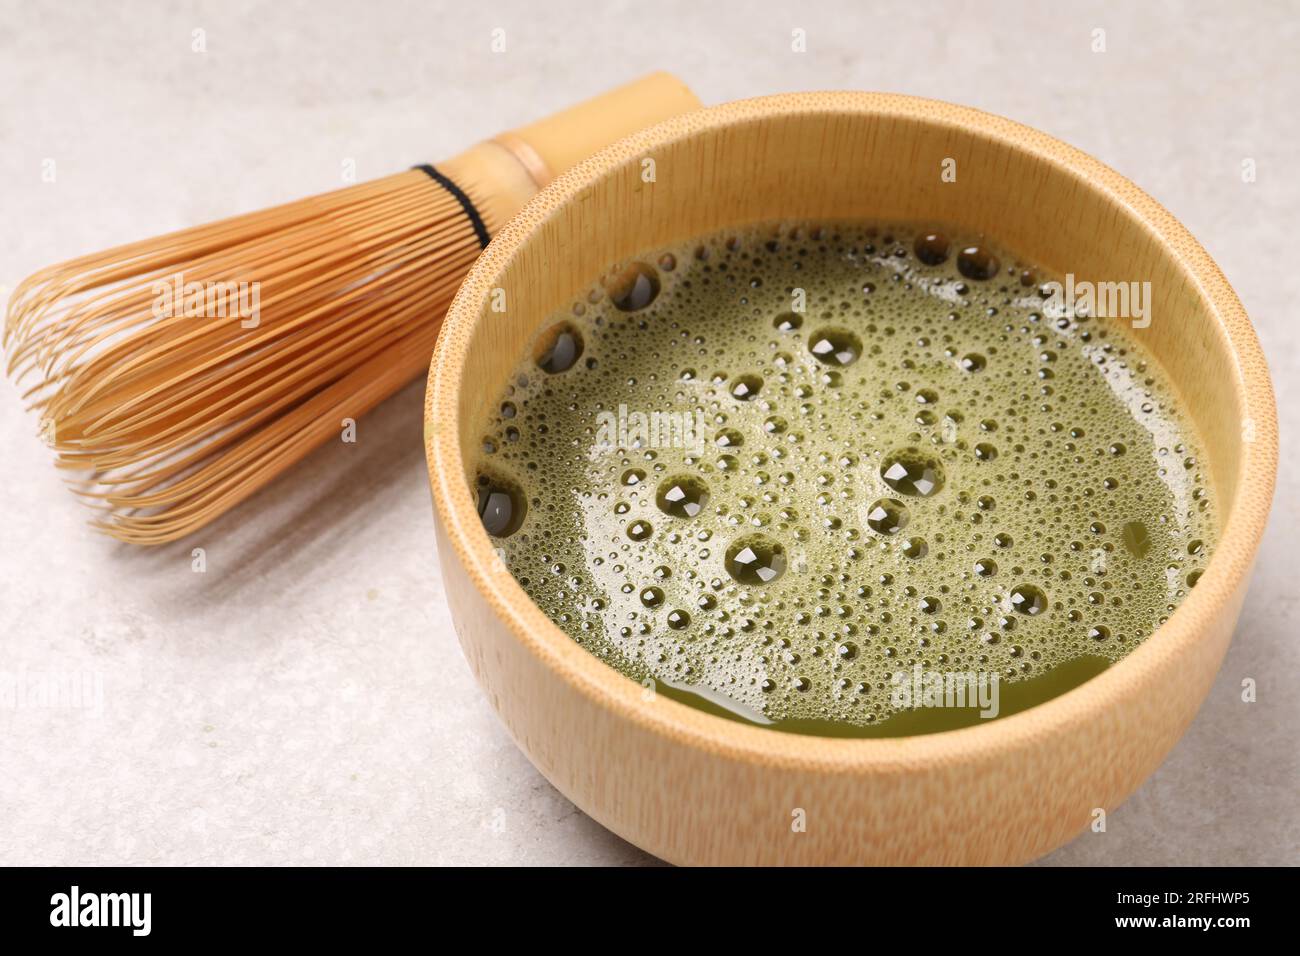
{"points": [[178, 375]]}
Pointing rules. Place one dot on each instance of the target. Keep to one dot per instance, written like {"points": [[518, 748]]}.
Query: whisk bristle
{"points": [[177, 375]]}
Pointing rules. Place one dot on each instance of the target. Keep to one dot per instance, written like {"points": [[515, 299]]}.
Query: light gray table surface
{"points": [[304, 701]]}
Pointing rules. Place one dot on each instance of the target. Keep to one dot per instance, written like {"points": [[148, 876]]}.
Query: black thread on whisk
{"points": [[475, 219]]}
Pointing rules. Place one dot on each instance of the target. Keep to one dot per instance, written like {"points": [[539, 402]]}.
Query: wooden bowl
{"points": [[693, 788]]}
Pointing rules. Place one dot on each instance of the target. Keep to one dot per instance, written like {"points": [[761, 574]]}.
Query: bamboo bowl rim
{"points": [[1242, 525]]}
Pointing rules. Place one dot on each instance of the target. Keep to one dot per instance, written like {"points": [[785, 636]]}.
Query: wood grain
{"points": [[692, 788]]}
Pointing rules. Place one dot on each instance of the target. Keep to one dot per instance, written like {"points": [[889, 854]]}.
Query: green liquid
{"points": [[776, 471], [1012, 698]]}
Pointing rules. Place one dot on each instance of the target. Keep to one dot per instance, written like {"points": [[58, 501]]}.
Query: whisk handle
{"points": [[552, 145], [503, 173]]}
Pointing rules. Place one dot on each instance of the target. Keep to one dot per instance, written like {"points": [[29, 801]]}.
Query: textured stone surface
{"points": [[304, 699]]}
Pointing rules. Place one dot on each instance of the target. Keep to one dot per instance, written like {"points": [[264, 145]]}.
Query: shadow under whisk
{"points": [[296, 526]]}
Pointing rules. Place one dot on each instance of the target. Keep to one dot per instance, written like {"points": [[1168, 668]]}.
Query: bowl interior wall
{"points": [[852, 164]]}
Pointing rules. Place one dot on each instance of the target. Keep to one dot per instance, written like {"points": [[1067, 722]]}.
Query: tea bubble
{"points": [[755, 559], [911, 471], [915, 548], [633, 288], [745, 388], [835, 346], [932, 248], [558, 350], [501, 506], [1028, 599], [977, 262], [682, 496], [887, 516]]}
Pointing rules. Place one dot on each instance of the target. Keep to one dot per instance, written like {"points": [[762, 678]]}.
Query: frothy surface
{"points": [[783, 464]]}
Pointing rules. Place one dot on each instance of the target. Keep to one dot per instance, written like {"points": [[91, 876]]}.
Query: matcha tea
{"points": [[791, 473]]}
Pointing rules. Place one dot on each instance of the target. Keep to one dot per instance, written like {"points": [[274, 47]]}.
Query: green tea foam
{"points": [[777, 471]]}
